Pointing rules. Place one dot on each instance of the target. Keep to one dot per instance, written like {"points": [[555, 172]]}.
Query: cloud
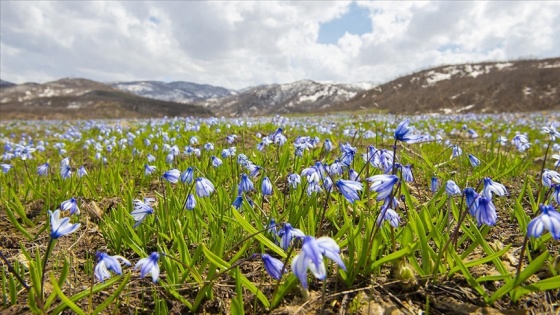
{"points": [[240, 44]]}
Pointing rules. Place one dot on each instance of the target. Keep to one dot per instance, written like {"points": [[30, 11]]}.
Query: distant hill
{"points": [[84, 99], [515, 86], [179, 91], [4, 84], [298, 97]]}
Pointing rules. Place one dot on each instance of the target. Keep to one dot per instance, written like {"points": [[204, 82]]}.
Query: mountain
{"points": [[298, 97], [179, 91], [515, 86], [4, 84], [85, 99]]}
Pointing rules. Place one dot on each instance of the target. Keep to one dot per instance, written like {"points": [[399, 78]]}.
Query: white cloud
{"points": [[239, 44]]}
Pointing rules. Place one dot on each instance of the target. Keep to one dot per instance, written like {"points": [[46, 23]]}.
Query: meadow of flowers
{"points": [[279, 214]]}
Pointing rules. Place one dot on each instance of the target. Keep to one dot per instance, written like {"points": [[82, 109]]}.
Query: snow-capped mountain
{"points": [[72, 98], [515, 86], [179, 91], [296, 97]]}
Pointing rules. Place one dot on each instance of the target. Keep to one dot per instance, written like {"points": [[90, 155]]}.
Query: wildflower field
{"points": [[283, 215]]}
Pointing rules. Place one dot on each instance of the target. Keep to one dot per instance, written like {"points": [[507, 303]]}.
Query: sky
{"points": [[242, 44]]}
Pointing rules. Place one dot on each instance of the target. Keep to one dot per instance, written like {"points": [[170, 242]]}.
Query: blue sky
{"points": [[236, 44], [356, 21]]}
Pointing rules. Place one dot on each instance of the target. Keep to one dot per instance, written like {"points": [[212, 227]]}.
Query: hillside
{"points": [[178, 91], [516, 86], [297, 97], [84, 99]]}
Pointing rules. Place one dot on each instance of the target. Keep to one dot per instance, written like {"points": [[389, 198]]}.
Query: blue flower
{"points": [[287, 233], [349, 189], [551, 131], [485, 213], [70, 205], [169, 158], [407, 173], [382, 184], [550, 177], [471, 197], [456, 151], [452, 189], [190, 203], [549, 219], [204, 188], [150, 158], [556, 193], [149, 169], [216, 161], [273, 266], [187, 175], [492, 187], [65, 171], [149, 264], [474, 160], [172, 176], [106, 263], [403, 133], [328, 145], [5, 167], [388, 214], [141, 211], [311, 256], [43, 170], [266, 187], [245, 185], [61, 227], [434, 185], [81, 171], [237, 202], [294, 180]]}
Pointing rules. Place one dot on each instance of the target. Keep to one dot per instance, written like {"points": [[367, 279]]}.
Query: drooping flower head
{"points": [[474, 160], [471, 198], [551, 132], [434, 184], [452, 189], [187, 175], [204, 187], [273, 266], [141, 211], [403, 133], [149, 169], [287, 233], [349, 189], [550, 177], [149, 264], [43, 169], [245, 185], [190, 203], [383, 185], [266, 187], [485, 213], [493, 187], [61, 227], [294, 180], [311, 256], [70, 205], [549, 220], [172, 176], [106, 263]]}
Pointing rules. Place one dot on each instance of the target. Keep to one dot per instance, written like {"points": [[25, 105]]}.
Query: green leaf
{"points": [[260, 237], [530, 270], [101, 307], [64, 298], [481, 261], [394, 256], [84, 293]]}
